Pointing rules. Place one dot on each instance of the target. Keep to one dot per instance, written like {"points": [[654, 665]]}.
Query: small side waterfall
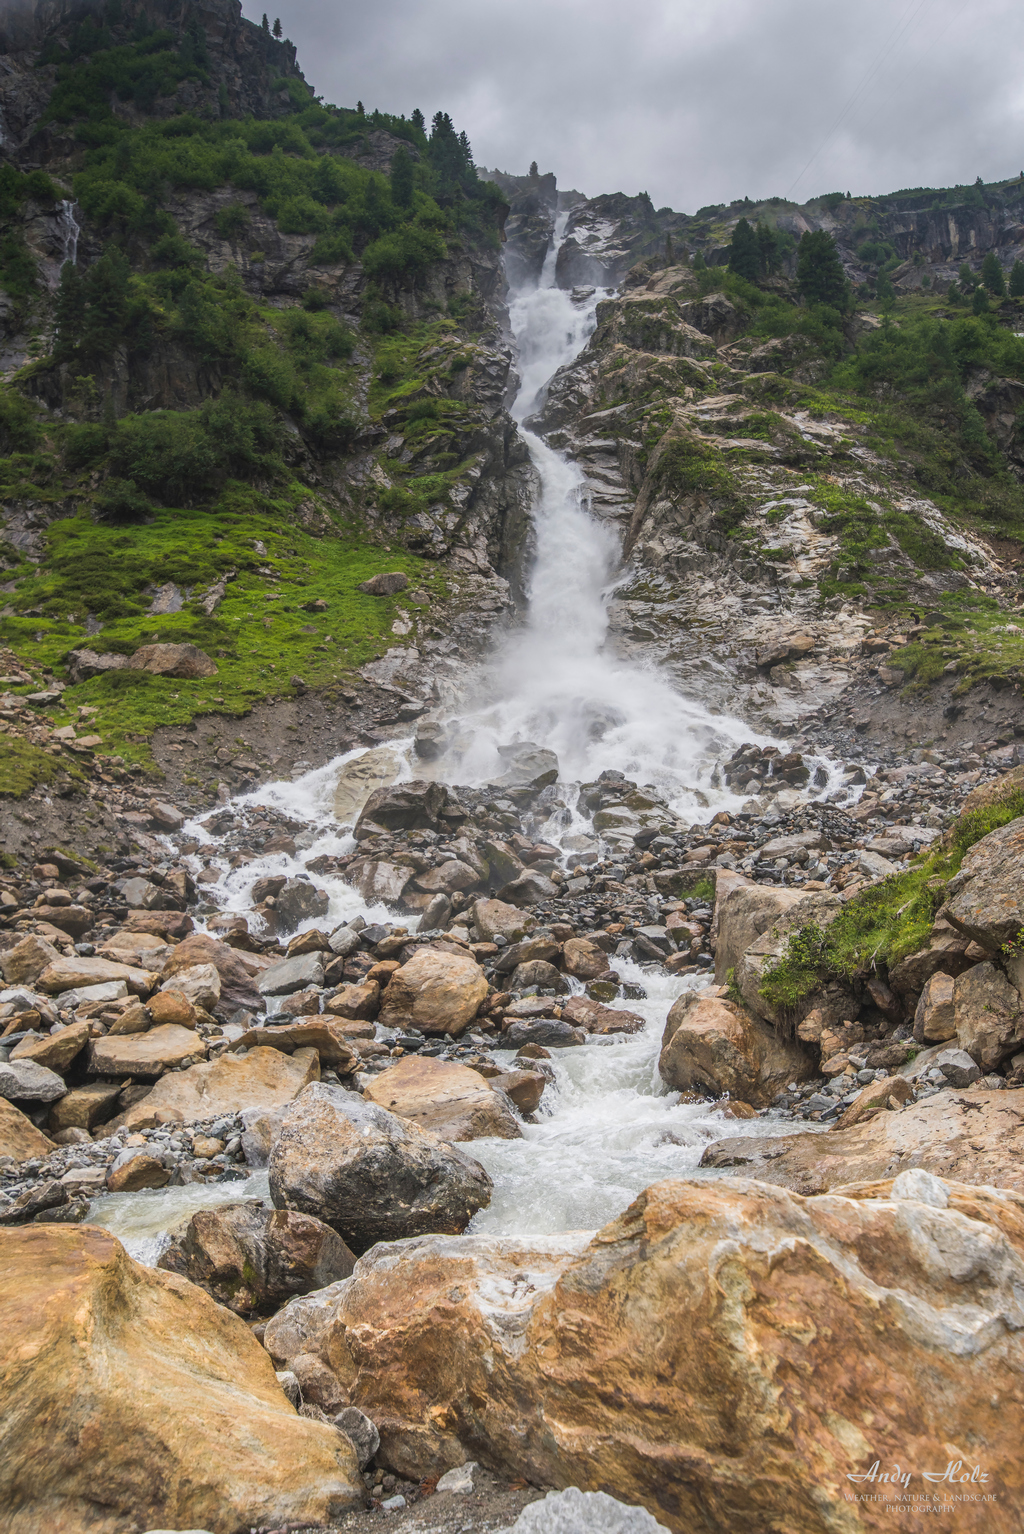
{"points": [[69, 230]]}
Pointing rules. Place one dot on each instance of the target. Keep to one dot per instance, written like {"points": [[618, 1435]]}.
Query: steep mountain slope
{"points": [[248, 340]]}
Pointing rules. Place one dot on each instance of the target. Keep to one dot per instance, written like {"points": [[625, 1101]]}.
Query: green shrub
{"points": [[408, 252]]}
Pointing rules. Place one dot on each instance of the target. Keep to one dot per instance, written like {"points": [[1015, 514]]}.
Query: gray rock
{"points": [[540, 973], [290, 1385], [84, 664], [550, 1033], [369, 1174], [458, 1480], [141, 895], [986, 897], [290, 975], [404, 806], [362, 1433], [529, 765], [299, 900], [386, 584], [988, 1014], [25, 1081], [583, 1512], [436, 915], [957, 1067], [343, 941]]}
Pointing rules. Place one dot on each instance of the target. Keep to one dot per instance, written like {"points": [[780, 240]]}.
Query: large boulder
{"points": [[19, 1137], [237, 986], [989, 1015], [717, 1353], [324, 1034], [935, 1016], [973, 1135], [254, 1258], [263, 1078], [358, 778], [299, 900], [435, 992], [25, 962], [378, 882], [583, 959], [369, 1174], [76, 973], [451, 1101], [946, 954], [411, 806], [54, 1051], [582, 1012], [743, 913], [529, 889], [145, 1056], [447, 878], [25, 1081], [132, 1401], [714, 1048], [985, 900], [86, 1106], [298, 974], [496, 918], [816, 912], [185, 662]]}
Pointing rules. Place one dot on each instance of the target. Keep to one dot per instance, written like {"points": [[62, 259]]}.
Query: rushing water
{"points": [[606, 1127]]}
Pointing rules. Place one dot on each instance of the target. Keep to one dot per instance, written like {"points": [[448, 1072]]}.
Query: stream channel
{"points": [[606, 1127]]}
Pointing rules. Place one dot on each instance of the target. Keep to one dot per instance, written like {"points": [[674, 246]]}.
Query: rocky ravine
{"points": [[357, 1064]]}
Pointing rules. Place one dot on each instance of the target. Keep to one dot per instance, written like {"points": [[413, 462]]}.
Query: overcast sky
{"points": [[693, 102]]}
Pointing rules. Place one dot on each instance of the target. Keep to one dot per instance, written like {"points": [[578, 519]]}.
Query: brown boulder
{"points": [[814, 910], [123, 1388], [878, 1097], [435, 992], [252, 1258], [172, 1007], [524, 1088], [19, 1137], [134, 1018], [377, 881], [144, 1056], [715, 1048], [75, 973], [596, 1018], [356, 1002], [495, 918], [263, 1078], [138, 1172], [447, 879], [386, 584], [997, 792], [801, 1316], [184, 661], [237, 986], [584, 959], [935, 1019], [55, 1050], [946, 954], [72, 919], [412, 806], [971, 1135], [320, 1033], [25, 962], [165, 924], [85, 1107], [451, 1101]]}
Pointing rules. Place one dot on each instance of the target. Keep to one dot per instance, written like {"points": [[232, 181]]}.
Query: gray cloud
{"points": [[690, 101]]}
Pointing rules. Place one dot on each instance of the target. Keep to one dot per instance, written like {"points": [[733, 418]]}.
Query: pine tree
{"points": [[418, 120], [534, 172], [992, 275], [1017, 280], [744, 258], [277, 26], [401, 179], [768, 251], [979, 303], [819, 271], [884, 288], [70, 312], [699, 263], [360, 109], [967, 278], [265, 24]]}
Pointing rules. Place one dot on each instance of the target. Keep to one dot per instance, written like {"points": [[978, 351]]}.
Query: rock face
{"points": [[264, 1078], [713, 1047], [748, 1416], [435, 992], [451, 1101], [986, 897], [252, 1258], [976, 1136], [132, 1401], [369, 1174]]}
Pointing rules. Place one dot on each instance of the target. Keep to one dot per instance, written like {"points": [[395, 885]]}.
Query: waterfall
{"points": [[69, 229], [557, 680]]}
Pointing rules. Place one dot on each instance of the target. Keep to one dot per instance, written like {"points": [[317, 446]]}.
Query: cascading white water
{"points": [[606, 1128], [69, 229], [556, 680]]}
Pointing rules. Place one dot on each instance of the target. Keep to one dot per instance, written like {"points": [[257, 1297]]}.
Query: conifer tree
{"points": [[744, 258], [979, 303], [401, 179], [277, 26], [1017, 280], [265, 24], [70, 312], [819, 271], [992, 275]]}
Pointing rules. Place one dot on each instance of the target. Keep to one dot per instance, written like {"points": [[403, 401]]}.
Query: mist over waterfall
{"points": [[557, 679]]}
